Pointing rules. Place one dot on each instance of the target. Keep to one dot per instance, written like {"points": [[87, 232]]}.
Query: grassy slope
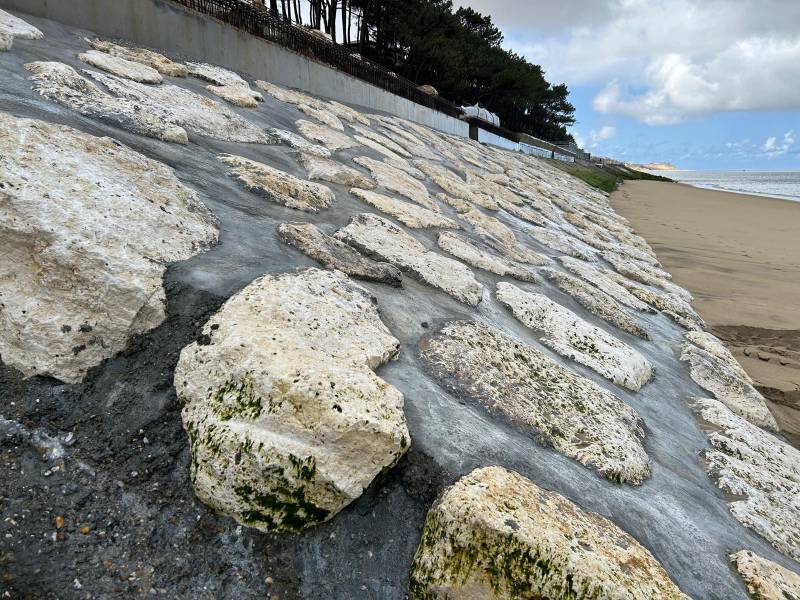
{"points": [[605, 178]]}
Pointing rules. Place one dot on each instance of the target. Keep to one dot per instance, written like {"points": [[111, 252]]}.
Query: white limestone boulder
{"points": [[332, 139], [602, 281], [728, 386], [6, 42], [196, 113], [397, 180], [323, 116], [595, 301], [454, 185], [299, 143], [286, 429], [287, 95], [500, 237], [463, 248], [410, 215], [337, 255], [760, 472], [570, 336], [712, 344], [383, 142], [346, 113], [226, 84], [766, 580], [496, 535], [14, 27], [572, 414], [278, 186], [382, 240], [141, 55], [556, 239], [62, 84], [120, 67], [89, 227], [332, 171]]}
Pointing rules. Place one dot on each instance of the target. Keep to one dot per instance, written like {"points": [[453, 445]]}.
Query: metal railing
{"points": [[260, 22]]}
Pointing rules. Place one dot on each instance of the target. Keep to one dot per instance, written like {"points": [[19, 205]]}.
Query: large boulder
{"points": [[332, 139], [410, 215], [465, 249], [88, 229], [61, 83], [571, 336], [397, 180], [299, 143], [595, 301], [760, 473], [120, 67], [278, 186], [766, 580], [152, 59], [572, 414], [334, 254], [495, 535], [14, 27], [728, 385], [226, 84], [286, 428], [323, 115], [501, 238], [603, 282], [324, 169], [382, 240]]}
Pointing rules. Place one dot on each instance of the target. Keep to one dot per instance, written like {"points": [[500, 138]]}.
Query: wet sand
{"points": [[739, 255]]}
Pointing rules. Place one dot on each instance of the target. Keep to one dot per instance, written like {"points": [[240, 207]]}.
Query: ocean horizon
{"points": [[775, 184]]}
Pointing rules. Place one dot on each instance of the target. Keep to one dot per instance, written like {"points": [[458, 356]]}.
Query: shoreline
{"points": [[725, 190], [738, 256]]}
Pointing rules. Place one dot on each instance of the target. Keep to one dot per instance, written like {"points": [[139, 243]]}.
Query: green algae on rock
{"points": [[572, 414], [286, 429], [495, 535]]}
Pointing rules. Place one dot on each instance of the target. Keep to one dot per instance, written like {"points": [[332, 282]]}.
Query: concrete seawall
{"points": [[174, 29]]}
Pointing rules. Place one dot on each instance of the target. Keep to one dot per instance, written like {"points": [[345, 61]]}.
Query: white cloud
{"points": [[773, 148], [663, 61], [769, 144]]}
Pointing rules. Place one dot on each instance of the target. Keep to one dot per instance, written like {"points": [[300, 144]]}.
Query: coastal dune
{"points": [[738, 255]]}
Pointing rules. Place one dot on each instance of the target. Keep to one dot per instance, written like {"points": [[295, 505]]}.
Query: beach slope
{"points": [[740, 257]]}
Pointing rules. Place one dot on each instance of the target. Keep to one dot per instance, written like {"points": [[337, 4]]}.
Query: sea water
{"points": [[778, 184]]}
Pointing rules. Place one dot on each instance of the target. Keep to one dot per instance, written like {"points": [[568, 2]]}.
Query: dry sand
{"points": [[739, 255]]}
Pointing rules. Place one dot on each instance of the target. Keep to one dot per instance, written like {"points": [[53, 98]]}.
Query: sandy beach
{"points": [[739, 255]]}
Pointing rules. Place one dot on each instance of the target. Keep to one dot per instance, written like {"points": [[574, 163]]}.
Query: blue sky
{"points": [[703, 84]]}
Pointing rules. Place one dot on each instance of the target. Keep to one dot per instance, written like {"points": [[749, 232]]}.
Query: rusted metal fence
{"points": [[260, 22]]}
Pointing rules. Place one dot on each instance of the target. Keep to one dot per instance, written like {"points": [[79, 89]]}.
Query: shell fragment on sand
{"points": [[765, 579], [325, 169], [89, 228], [122, 68], [337, 255], [728, 386], [595, 301], [759, 470], [278, 186], [410, 215], [382, 240], [196, 113], [397, 180], [14, 27], [141, 55], [496, 535], [286, 429], [463, 248], [569, 335], [62, 84], [574, 415], [299, 143], [330, 138]]}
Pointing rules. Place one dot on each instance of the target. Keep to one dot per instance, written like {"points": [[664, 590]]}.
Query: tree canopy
{"points": [[459, 52]]}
